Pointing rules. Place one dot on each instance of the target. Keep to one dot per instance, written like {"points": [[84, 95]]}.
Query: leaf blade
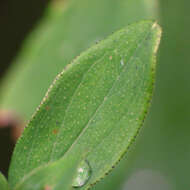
{"points": [[109, 85]]}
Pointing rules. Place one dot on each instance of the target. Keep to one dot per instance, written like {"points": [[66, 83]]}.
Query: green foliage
{"points": [[3, 182], [95, 106], [61, 36]]}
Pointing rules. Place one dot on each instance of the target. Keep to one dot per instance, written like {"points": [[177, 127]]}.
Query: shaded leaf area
{"points": [[54, 176], [61, 36], [3, 182], [96, 105]]}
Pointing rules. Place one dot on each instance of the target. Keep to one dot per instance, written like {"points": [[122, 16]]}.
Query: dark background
{"points": [[17, 19]]}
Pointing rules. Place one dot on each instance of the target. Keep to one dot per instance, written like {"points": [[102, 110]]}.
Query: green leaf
{"points": [[54, 176], [3, 182], [96, 105], [61, 36]]}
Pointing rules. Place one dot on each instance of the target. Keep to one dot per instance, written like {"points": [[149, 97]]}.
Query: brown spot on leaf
{"points": [[47, 108], [47, 187], [55, 131]]}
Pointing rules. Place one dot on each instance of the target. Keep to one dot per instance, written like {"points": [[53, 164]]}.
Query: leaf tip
{"points": [[158, 32]]}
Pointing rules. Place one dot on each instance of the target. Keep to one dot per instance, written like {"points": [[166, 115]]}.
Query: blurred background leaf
{"points": [[58, 39]]}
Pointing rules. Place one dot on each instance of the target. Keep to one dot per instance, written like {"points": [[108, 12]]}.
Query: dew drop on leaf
{"points": [[83, 174], [122, 62]]}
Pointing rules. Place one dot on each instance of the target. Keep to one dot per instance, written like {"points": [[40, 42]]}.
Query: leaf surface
{"points": [[96, 105]]}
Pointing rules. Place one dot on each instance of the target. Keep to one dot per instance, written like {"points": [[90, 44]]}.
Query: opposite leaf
{"points": [[96, 105], [3, 182]]}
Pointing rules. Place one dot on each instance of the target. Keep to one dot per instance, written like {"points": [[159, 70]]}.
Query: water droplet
{"points": [[122, 62], [83, 174]]}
